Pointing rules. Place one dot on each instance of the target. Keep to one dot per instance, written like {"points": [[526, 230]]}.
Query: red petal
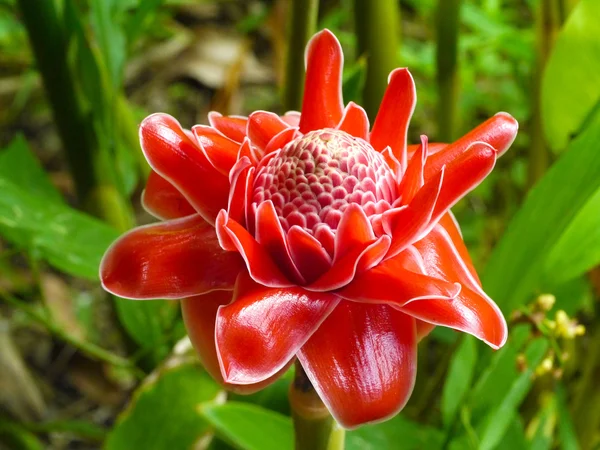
{"points": [[199, 315], [355, 121], [423, 329], [292, 118], [432, 148], [392, 283], [309, 256], [260, 265], [220, 150], [250, 152], [451, 226], [271, 237], [362, 362], [234, 127], [408, 223], [322, 105], [173, 259], [175, 157], [413, 180], [162, 200], [499, 132], [472, 311], [354, 230], [281, 140], [263, 329], [242, 175], [264, 126], [463, 175], [391, 124]]}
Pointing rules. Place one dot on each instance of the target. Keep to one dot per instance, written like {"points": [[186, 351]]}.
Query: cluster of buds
{"points": [[564, 326]]}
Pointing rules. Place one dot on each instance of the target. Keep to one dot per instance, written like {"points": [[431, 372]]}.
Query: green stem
{"points": [[548, 24], [91, 168], [377, 26], [447, 24], [303, 22], [314, 428], [92, 350]]}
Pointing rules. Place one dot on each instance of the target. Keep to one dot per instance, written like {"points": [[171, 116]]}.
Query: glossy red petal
{"points": [[263, 329], [413, 179], [292, 118], [240, 182], [199, 315], [264, 126], [173, 259], [322, 106], [408, 223], [463, 175], [499, 132], [259, 263], [309, 256], [397, 107], [281, 140], [234, 127], [271, 237], [175, 157], [432, 147], [423, 329], [161, 199], [392, 283], [355, 121], [448, 222], [218, 148], [250, 152], [353, 230], [472, 311], [362, 362]]}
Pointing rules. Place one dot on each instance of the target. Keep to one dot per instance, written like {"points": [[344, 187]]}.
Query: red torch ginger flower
{"points": [[313, 236]]}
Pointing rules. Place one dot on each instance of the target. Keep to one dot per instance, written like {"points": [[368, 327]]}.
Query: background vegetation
{"points": [[80, 370]]}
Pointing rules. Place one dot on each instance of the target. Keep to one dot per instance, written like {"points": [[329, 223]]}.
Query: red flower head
{"points": [[313, 236]]}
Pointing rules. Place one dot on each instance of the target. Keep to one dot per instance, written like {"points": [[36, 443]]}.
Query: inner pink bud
{"points": [[314, 178]]}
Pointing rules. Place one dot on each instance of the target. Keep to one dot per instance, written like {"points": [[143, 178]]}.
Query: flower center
{"points": [[313, 179]]}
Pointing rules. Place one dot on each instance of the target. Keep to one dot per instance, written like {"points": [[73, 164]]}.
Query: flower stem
{"points": [[314, 427], [377, 25], [303, 23], [447, 24]]}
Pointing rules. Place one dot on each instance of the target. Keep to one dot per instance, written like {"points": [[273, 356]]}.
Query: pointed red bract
{"points": [[173, 259], [322, 105], [175, 157], [234, 127], [262, 330], [362, 361], [218, 148], [355, 121], [163, 201]]}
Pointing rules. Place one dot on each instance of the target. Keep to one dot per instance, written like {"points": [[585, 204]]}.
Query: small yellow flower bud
{"points": [[546, 301], [545, 366]]}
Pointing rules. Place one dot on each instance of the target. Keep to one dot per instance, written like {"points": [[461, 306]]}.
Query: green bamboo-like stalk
{"points": [[447, 26], [377, 25], [548, 23], [302, 25], [314, 428], [91, 168]]}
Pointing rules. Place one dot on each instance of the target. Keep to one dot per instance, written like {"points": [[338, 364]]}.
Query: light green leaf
{"points": [[500, 418], [387, 436], [566, 430], [458, 380], [21, 167], [541, 428], [165, 411], [571, 82], [250, 427], [110, 36], [578, 249], [515, 268]]}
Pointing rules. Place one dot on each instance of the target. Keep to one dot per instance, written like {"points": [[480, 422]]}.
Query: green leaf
{"points": [[387, 436], [566, 430], [69, 240], [165, 411], [250, 427], [354, 81], [515, 268], [110, 37], [578, 249], [502, 415], [571, 82], [541, 428], [458, 380], [143, 15], [20, 166]]}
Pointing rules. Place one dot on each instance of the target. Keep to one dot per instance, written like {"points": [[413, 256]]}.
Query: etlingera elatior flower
{"points": [[313, 236]]}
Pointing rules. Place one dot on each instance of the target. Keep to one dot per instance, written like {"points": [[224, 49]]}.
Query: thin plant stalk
{"points": [[302, 25], [314, 428], [377, 25], [447, 26], [91, 168]]}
